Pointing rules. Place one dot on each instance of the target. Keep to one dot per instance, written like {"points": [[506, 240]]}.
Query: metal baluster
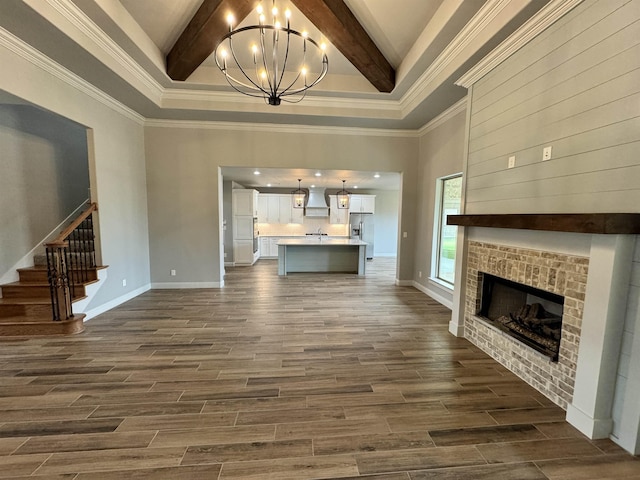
{"points": [[93, 243], [52, 275], [67, 284]]}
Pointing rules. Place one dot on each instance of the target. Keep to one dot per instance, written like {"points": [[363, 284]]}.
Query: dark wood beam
{"points": [[334, 19], [202, 34]]}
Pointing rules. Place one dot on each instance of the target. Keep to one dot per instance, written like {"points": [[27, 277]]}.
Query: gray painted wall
{"points": [[441, 154], [227, 213], [45, 177], [116, 169], [182, 166], [575, 87], [385, 222]]}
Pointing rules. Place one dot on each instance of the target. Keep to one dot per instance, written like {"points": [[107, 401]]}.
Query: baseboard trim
{"points": [[404, 283], [185, 285], [593, 428], [436, 296], [115, 302], [386, 255]]}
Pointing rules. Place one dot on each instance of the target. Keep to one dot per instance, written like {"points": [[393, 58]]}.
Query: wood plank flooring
{"points": [[309, 376]]}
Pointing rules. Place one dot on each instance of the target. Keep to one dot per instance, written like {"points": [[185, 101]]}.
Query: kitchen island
{"points": [[321, 255]]}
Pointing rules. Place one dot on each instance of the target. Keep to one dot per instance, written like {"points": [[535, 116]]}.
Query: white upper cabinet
{"points": [[285, 209], [337, 215], [273, 206], [263, 208], [245, 202], [362, 204], [288, 214], [278, 208]]}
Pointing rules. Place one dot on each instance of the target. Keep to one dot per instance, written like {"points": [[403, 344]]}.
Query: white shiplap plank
{"points": [[620, 156], [609, 136], [592, 202], [513, 74], [619, 179], [609, 59], [540, 130]]}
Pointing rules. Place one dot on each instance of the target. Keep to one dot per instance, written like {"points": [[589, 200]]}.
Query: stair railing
{"points": [[70, 256]]}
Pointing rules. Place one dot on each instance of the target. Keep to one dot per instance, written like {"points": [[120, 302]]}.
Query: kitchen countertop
{"points": [[313, 235], [320, 241]]}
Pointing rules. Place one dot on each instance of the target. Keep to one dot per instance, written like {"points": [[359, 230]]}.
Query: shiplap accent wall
{"points": [[627, 352], [575, 87]]}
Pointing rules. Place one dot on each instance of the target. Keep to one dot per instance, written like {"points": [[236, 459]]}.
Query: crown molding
{"points": [[311, 101], [548, 15], [33, 56], [280, 128], [75, 16], [463, 39], [458, 107]]}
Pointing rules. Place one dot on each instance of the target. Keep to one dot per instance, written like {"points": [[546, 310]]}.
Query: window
{"points": [[448, 197]]}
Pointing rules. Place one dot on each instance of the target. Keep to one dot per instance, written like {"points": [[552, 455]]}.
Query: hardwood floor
{"points": [[309, 376]]}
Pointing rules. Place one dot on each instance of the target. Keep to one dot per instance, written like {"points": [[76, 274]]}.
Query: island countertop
{"points": [[321, 241]]}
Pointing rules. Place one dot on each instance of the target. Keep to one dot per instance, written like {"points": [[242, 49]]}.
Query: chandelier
{"points": [[342, 196], [272, 61]]}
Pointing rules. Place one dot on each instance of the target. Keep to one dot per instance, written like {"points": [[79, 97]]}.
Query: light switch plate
{"points": [[546, 153], [512, 161]]}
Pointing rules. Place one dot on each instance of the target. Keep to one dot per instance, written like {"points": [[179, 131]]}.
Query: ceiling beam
{"points": [[334, 19], [199, 38]]}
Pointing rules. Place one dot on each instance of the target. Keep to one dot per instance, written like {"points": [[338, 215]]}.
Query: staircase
{"points": [[28, 306]]}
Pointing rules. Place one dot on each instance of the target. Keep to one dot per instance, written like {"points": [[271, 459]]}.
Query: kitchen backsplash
{"points": [[310, 225]]}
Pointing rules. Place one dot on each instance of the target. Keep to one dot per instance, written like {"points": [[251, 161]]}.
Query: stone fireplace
{"points": [[560, 274], [584, 264]]}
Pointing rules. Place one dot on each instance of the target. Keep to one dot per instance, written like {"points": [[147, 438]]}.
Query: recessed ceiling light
{"points": [[256, 172], [377, 175], [268, 184], [313, 186], [318, 174], [355, 186]]}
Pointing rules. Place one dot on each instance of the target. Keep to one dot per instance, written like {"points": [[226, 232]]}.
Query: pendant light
{"points": [[343, 196], [298, 196]]}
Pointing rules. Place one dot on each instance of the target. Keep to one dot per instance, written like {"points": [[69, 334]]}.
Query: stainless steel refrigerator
{"points": [[361, 226]]}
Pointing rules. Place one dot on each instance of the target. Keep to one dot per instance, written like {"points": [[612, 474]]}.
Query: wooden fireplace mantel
{"points": [[598, 223]]}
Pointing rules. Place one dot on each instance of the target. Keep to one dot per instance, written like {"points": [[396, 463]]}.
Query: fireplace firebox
{"points": [[530, 315]]}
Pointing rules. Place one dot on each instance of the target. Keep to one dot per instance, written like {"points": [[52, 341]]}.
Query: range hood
{"points": [[317, 205]]}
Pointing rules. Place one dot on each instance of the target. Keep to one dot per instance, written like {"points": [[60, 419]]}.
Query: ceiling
{"points": [[120, 47], [329, 179]]}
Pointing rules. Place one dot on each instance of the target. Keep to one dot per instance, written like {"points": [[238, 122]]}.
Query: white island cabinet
{"points": [[321, 255]]}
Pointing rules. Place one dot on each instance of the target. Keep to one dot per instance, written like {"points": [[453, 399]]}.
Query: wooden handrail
{"points": [[60, 240]]}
